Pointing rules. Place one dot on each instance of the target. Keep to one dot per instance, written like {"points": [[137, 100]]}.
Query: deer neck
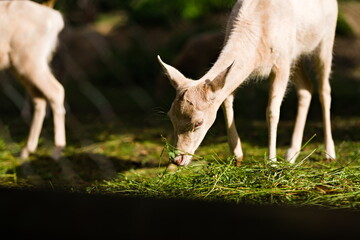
{"points": [[241, 51]]}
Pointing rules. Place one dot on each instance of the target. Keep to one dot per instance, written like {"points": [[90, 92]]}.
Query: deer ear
{"points": [[176, 78], [218, 83]]}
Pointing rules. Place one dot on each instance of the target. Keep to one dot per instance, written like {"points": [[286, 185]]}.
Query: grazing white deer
{"points": [[267, 38], [28, 36]]}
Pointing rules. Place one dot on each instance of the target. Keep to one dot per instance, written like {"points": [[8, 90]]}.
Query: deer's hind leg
{"points": [[39, 112], [44, 87], [324, 61]]}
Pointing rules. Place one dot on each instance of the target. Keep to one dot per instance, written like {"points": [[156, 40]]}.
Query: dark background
{"points": [[106, 60]]}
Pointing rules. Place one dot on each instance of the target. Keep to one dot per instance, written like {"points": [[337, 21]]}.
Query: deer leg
{"points": [[37, 121], [233, 137], [278, 83], [304, 92], [55, 94], [324, 58]]}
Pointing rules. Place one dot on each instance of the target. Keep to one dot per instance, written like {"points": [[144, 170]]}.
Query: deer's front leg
{"points": [[233, 137], [278, 83]]}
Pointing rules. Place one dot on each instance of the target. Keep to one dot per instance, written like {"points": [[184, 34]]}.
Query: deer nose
{"points": [[182, 160], [178, 159]]}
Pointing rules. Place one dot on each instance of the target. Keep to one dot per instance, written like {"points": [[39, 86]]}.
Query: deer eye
{"points": [[198, 124]]}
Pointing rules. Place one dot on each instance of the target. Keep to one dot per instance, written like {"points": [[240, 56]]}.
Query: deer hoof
{"points": [[238, 161], [25, 153], [57, 153]]}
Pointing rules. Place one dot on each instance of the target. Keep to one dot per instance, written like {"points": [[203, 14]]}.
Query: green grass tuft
{"points": [[306, 183], [138, 165]]}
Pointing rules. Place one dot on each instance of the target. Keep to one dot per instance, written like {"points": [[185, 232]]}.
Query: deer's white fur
{"points": [[28, 37], [269, 38]]}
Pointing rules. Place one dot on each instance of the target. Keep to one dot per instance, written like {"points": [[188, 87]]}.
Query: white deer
{"points": [[267, 38], [28, 36]]}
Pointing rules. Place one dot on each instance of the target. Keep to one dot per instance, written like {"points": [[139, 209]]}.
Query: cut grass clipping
{"points": [[255, 181]]}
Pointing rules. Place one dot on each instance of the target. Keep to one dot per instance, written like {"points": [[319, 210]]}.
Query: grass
{"points": [[258, 183], [135, 162], [307, 183]]}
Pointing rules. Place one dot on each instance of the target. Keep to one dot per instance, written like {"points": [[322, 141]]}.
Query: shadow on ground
{"points": [[74, 172]]}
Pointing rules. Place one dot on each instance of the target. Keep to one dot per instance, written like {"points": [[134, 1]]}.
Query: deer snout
{"points": [[182, 160]]}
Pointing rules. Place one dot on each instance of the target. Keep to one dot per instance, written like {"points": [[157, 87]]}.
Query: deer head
{"points": [[193, 111]]}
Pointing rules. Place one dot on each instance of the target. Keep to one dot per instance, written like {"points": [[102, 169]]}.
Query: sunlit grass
{"points": [[309, 182], [136, 162]]}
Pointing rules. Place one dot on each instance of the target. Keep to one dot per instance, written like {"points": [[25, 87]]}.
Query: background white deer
{"points": [[267, 38], [28, 36]]}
